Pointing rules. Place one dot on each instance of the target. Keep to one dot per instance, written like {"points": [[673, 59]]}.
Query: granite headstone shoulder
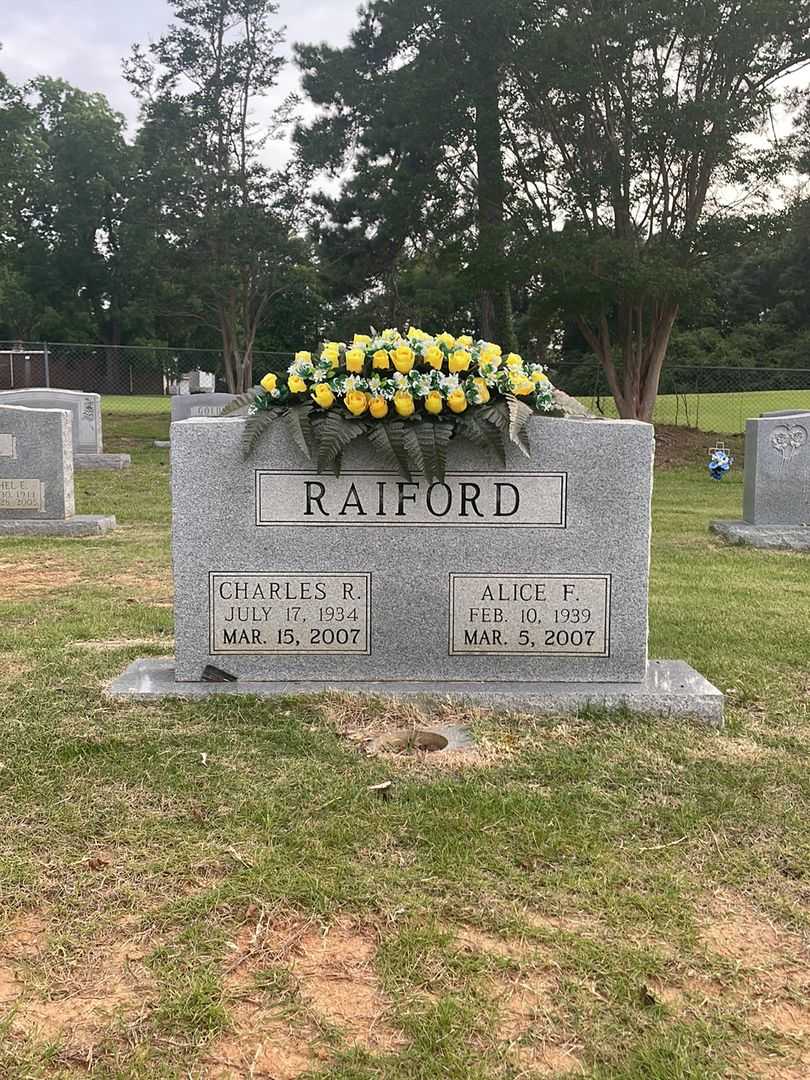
{"points": [[36, 476], [85, 411], [517, 586], [776, 492]]}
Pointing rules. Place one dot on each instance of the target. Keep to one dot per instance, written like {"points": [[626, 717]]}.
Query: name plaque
{"points": [[22, 495], [527, 500], [8, 446], [267, 613], [206, 410], [536, 614]]}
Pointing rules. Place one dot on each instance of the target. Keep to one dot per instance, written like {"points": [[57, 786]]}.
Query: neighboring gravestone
{"points": [[201, 382], [776, 494], [36, 476], [85, 410], [523, 586], [197, 406]]}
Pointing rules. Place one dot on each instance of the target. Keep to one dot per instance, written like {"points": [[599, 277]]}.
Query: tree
{"points": [[64, 161], [635, 116], [413, 106], [223, 222]]}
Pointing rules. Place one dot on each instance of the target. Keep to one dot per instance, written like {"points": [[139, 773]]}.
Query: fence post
{"points": [[47, 362]]}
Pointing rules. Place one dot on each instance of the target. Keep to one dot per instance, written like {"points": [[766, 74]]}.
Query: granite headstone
{"points": [[199, 406], [36, 475], [776, 493], [527, 581], [85, 411]]}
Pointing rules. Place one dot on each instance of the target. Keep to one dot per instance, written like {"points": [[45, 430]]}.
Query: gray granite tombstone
{"points": [[36, 476], [523, 586], [85, 411], [199, 406], [776, 493]]}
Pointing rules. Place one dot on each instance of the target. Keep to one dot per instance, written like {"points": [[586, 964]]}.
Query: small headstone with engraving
{"points": [[85, 411], [36, 476], [776, 493]]}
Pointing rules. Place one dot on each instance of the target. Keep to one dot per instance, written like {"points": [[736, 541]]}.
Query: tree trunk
{"points": [[495, 298]]}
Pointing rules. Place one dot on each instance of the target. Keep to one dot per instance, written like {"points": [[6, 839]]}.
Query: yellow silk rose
{"points": [[296, 385], [524, 386], [457, 400], [403, 403], [268, 383], [323, 395], [356, 402], [539, 377], [332, 355], [459, 361], [514, 360], [390, 335], [304, 357], [434, 403], [361, 339], [378, 407], [381, 360], [435, 357], [403, 358], [355, 358], [446, 339], [465, 340], [483, 391]]}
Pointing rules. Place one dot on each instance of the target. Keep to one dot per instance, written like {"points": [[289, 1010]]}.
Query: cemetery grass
{"points": [[215, 890]]}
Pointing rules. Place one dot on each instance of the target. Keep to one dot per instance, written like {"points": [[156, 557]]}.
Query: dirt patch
{"points": [[330, 978], [546, 1059], [259, 1047], [81, 1008], [474, 940], [776, 958], [569, 923], [679, 446], [19, 580], [368, 722], [726, 748], [144, 587]]}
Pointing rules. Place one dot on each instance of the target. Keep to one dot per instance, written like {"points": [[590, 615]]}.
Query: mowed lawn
{"points": [[215, 890]]}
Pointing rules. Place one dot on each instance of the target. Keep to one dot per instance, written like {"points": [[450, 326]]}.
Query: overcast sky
{"points": [[84, 41]]}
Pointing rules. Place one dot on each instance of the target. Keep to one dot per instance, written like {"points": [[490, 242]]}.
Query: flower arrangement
{"points": [[409, 394]]}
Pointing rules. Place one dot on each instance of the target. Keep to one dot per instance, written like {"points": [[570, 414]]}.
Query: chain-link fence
{"points": [[707, 398], [113, 369]]}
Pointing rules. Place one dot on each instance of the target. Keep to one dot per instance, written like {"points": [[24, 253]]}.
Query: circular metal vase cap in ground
{"points": [[425, 740]]}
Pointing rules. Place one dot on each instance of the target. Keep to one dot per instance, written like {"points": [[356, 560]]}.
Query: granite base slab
{"points": [[776, 537], [671, 688], [101, 461], [80, 525]]}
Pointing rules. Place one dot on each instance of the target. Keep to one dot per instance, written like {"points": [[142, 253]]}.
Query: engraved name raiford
{"points": [[469, 500]]}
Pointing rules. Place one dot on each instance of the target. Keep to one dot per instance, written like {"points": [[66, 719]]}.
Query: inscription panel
{"points": [[22, 495], [205, 410], [8, 446], [530, 614], [476, 500], [266, 613]]}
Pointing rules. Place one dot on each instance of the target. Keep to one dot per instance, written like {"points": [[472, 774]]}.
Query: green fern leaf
{"points": [[388, 440], [442, 433], [413, 449], [239, 402], [474, 427], [424, 431], [519, 416], [300, 428], [333, 436], [256, 427]]}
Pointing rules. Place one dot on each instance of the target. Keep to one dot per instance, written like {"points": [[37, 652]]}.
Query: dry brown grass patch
{"points": [[80, 1007], [116, 644], [20, 580]]}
